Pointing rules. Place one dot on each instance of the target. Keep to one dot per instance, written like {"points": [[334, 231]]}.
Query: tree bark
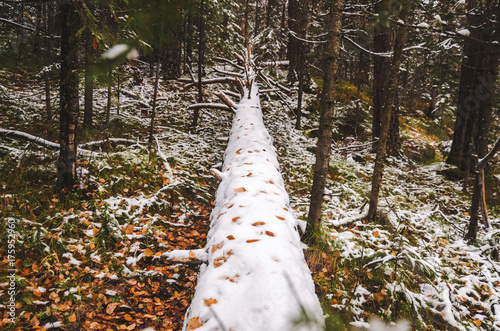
{"points": [[387, 113], [66, 164], [381, 68], [477, 83], [327, 107], [89, 80], [155, 91], [48, 107], [478, 202], [201, 59]]}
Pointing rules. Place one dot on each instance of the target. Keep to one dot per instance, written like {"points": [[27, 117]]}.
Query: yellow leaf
{"points": [[376, 233], [192, 255], [102, 180], [148, 252], [209, 302], [72, 318], [239, 189], [477, 323], [280, 218], [92, 246]]}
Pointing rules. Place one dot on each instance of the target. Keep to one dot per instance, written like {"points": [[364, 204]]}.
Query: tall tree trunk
{"points": [[293, 49], [477, 83], [110, 96], [257, 18], [48, 107], [89, 80], [66, 164], [201, 60], [327, 107], [387, 113], [118, 90], [155, 91], [478, 196], [381, 66], [188, 54]]}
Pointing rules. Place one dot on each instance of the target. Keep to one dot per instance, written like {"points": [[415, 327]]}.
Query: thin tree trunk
{"points": [[118, 87], [89, 81], [381, 68], [327, 107], [478, 202], [48, 107], [257, 19], [66, 164], [110, 95], [387, 113], [155, 91], [201, 59]]}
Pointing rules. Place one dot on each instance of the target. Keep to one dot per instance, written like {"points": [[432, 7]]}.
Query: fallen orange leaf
{"points": [[209, 302], [148, 252], [194, 323]]}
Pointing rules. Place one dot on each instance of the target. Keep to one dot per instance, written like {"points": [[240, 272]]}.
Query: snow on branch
{"points": [[210, 106], [226, 100], [28, 137], [213, 81], [233, 63], [229, 73], [17, 24]]}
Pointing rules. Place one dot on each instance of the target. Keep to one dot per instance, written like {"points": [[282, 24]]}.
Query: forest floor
{"points": [[92, 258]]}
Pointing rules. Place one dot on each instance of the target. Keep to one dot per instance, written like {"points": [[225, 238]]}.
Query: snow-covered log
{"points": [[49, 144], [254, 276], [28, 137]]}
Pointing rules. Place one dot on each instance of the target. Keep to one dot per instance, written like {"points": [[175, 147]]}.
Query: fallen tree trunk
{"points": [[31, 138], [49, 144], [253, 275]]}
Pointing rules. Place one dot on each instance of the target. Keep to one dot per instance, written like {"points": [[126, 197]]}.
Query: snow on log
{"points": [[28, 137], [254, 276]]}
